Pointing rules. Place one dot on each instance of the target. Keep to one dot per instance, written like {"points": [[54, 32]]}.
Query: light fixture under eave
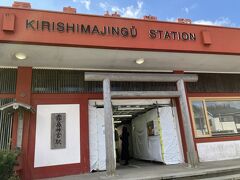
{"points": [[130, 108], [117, 122], [20, 56], [122, 115], [140, 61]]}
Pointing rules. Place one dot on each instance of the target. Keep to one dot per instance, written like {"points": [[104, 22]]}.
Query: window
{"points": [[201, 128], [215, 117]]}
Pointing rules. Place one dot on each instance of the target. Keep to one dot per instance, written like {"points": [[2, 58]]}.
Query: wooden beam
{"points": [[109, 129], [155, 94], [140, 77], [191, 152]]}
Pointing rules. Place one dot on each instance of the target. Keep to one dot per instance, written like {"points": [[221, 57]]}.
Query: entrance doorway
{"points": [[153, 128]]}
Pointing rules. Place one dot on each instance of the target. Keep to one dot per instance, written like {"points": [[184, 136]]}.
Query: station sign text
{"points": [[116, 31]]}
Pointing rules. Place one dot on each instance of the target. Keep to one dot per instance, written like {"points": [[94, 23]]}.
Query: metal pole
{"points": [[191, 152], [109, 129]]}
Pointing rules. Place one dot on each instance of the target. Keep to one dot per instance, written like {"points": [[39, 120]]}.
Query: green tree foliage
{"points": [[8, 159]]}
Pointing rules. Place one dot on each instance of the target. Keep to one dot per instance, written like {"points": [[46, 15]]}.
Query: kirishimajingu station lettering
{"points": [[106, 30], [173, 35], [81, 28]]}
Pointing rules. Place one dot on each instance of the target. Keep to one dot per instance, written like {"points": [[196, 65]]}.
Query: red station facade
{"points": [[22, 27]]}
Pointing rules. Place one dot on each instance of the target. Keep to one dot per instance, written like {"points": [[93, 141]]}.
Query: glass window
{"points": [[224, 116], [201, 128]]}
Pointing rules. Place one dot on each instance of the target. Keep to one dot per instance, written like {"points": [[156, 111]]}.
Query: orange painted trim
{"points": [[149, 49], [219, 35], [57, 171], [182, 132], [189, 111], [213, 94], [213, 138], [217, 139], [67, 95], [3, 96]]}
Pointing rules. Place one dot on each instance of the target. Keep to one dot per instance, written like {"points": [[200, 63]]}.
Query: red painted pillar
{"points": [[23, 94], [84, 136], [14, 131]]}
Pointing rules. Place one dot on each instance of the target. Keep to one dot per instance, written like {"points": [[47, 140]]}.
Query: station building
{"points": [[70, 82]]}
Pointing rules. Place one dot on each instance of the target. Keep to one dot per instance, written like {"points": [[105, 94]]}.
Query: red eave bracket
{"points": [[8, 22], [206, 37]]}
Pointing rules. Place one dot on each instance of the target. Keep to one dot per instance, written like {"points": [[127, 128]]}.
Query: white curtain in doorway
{"points": [[164, 146], [172, 145], [145, 147], [97, 139]]}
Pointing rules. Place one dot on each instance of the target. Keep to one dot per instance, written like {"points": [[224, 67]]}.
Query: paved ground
{"points": [[142, 170]]}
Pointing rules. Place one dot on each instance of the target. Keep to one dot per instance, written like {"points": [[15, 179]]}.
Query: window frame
{"points": [[193, 118], [204, 100]]}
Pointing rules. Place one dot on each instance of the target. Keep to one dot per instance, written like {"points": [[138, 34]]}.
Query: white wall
{"points": [[44, 155], [216, 151]]}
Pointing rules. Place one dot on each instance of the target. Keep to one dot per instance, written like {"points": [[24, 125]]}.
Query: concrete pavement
{"points": [[143, 171]]}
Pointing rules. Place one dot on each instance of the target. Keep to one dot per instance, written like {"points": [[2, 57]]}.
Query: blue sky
{"points": [[210, 12]]}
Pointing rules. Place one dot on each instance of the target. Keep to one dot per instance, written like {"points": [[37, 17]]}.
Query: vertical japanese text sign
{"points": [[58, 130]]}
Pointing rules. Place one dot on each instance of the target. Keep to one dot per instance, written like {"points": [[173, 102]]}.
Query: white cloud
{"points": [[190, 8], [132, 11], [171, 19], [129, 11], [103, 5], [86, 3], [116, 9], [186, 10], [222, 21]]}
